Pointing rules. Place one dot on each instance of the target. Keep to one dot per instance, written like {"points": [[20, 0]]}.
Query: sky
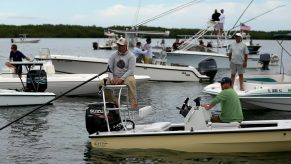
{"points": [[107, 13]]}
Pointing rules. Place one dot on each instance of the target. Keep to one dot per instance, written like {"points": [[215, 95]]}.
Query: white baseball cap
{"points": [[238, 34], [121, 41]]}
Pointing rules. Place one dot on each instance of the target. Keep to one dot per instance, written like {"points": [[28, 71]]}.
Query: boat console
{"points": [[36, 79]]}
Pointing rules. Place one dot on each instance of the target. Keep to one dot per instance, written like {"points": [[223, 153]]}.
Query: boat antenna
{"points": [[167, 12], [28, 113], [137, 13]]}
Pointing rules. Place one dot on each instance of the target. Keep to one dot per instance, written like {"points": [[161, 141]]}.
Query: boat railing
{"points": [[123, 109]]}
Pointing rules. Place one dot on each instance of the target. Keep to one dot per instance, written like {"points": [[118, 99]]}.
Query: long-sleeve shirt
{"points": [[137, 52], [122, 65]]}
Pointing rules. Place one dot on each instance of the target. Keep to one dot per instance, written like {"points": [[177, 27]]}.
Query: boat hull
{"points": [[14, 98], [194, 58], [261, 92], [210, 142], [61, 83], [156, 72], [25, 41], [277, 103]]}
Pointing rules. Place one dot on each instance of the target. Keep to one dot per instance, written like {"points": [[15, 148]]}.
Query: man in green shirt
{"points": [[231, 110]]}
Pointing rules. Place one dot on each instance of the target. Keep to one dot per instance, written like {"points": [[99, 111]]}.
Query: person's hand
{"points": [[206, 106], [116, 81], [245, 64]]}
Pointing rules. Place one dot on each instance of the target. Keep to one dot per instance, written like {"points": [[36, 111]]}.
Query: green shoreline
{"points": [[76, 31]]}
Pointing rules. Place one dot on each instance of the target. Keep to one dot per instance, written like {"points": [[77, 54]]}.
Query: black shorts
{"points": [[18, 69]]}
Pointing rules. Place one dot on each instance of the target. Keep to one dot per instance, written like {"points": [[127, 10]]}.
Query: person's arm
{"points": [[229, 56], [140, 51], [111, 63], [246, 52], [245, 60], [23, 56], [208, 106], [27, 58], [10, 57], [229, 53], [220, 97], [131, 67]]}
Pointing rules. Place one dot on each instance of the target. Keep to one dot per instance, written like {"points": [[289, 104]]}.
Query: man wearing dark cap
{"points": [[231, 110], [122, 64]]}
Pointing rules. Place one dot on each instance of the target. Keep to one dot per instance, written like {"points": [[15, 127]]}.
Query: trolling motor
{"points": [[184, 110]]}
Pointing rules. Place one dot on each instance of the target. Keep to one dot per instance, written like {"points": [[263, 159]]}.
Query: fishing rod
{"points": [[167, 12], [260, 15], [5, 126]]}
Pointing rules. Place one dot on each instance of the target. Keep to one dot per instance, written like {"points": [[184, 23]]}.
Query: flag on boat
{"points": [[245, 28]]}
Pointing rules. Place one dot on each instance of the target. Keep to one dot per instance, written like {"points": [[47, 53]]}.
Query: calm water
{"points": [[57, 133]]}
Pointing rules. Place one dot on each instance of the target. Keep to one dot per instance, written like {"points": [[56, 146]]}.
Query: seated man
{"points": [[176, 44], [231, 110], [16, 55], [138, 52], [122, 64]]}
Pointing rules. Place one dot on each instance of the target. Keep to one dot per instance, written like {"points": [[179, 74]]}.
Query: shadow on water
{"points": [[126, 156]]}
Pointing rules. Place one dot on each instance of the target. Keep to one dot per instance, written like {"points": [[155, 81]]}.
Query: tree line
{"points": [[77, 31]]}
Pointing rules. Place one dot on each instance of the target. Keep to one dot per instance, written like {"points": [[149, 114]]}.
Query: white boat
{"points": [[20, 98], [31, 93], [195, 134], [195, 57], [23, 39], [61, 83], [191, 52], [75, 64], [261, 91], [110, 43]]}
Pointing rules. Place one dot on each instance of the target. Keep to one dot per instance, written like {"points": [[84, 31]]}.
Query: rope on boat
{"points": [[28, 113]]}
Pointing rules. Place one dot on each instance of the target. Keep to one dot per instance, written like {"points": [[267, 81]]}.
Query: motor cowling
{"points": [[95, 118], [208, 67], [95, 45], [265, 60], [36, 81]]}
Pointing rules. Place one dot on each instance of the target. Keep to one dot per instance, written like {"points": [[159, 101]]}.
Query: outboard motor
{"points": [[265, 60], [95, 118], [208, 67], [95, 45], [36, 81]]}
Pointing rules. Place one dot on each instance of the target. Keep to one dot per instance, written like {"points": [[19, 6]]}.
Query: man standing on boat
{"points": [[231, 110], [215, 18], [148, 57], [16, 56], [238, 57], [221, 22], [122, 64]]}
